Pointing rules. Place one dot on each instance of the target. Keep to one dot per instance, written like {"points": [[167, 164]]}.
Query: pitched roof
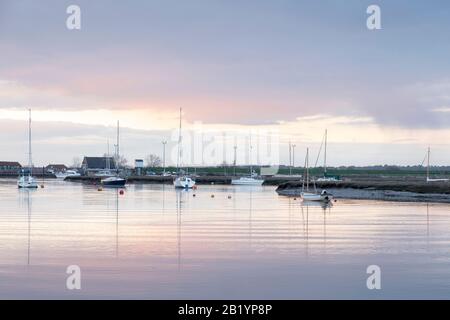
{"points": [[57, 166], [99, 162], [10, 164]]}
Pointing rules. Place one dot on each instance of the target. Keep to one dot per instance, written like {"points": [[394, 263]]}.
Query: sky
{"points": [[241, 70]]}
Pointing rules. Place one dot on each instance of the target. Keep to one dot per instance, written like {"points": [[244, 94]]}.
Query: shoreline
{"points": [[380, 195], [408, 190], [200, 180]]}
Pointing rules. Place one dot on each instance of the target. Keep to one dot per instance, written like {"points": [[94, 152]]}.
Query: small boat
{"points": [[114, 180], [247, 181], [252, 180], [104, 173], [182, 180], [428, 170], [324, 196], [26, 180], [67, 173], [306, 195]]}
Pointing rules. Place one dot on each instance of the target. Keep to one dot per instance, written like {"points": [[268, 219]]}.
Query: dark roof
{"points": [[57, 166], [98, 163], [10, 164]]}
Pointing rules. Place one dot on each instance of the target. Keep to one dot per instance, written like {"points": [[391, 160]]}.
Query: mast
{"points": [[304, 175], [428, 163], [30, 162], [290, 158], [307, 169], [108, 166], [117, 148], [250, 157], [325, 154], [179, 146]]}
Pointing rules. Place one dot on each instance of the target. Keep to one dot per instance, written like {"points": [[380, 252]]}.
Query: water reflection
{"points": [[155, 242], [25, 196], [179, 194], [313, 205], [116, 192]]}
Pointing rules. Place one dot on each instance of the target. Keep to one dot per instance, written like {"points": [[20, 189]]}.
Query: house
{"points": [[9, 168], [56, 168], [92, 165]]}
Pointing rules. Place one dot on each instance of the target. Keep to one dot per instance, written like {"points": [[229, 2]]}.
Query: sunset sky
{"points": [[292, 68]]}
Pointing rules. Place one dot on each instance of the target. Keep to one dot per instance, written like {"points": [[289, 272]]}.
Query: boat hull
{"points": [[247, 182], [316, 197], [115, 183], [437, 180]]}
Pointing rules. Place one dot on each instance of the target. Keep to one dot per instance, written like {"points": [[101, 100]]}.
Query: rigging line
{"points": [[320, 151], [424, 159]]}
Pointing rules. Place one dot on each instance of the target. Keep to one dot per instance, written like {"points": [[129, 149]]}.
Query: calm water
{"points": [[158, 243]]}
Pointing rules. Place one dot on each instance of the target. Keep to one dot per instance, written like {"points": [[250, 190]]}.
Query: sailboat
{"points": [[306, 195], [428, 170], [326, 177], [182, 180], [26, 180], [251, 180], [106, 173], [114, 181]]}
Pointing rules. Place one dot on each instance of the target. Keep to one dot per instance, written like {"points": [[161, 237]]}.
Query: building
{"points": [[9, 168], [56, 168], [92, 165], [138, 165]]}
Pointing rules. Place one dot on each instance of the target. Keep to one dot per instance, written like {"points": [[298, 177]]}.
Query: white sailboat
{"points": [[306, 195], [115, 181], [182, 180], [67, 173], [253, 179], [326, 178], [428, 170], [26, 180]]}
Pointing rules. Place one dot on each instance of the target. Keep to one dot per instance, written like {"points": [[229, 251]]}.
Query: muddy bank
{"points": [[387, 190]]}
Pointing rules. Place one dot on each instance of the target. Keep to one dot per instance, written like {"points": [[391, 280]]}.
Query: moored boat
{"points": [[182, 180], [115, 180], [306, 195], [26, 180], [247, 181]]}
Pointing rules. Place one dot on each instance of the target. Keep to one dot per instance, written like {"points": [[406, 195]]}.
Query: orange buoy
{"points": [[121, 192], [194, 187]]}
